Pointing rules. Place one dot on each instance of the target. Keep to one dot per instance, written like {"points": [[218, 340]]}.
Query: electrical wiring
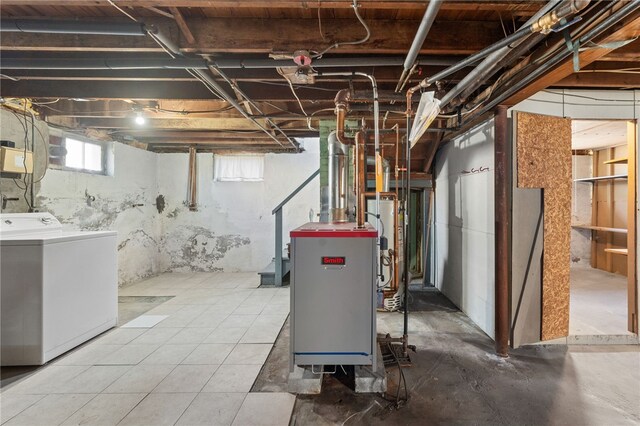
{"points": [[275, 83], [342, 43], [592, 98], [122, 10], [293, 91], [381, 223], [398, 403], [45, 103], [320, 23], [42, 139]]}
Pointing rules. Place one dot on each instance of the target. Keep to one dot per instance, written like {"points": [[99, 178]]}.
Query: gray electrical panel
{"points": [[333, 295]]}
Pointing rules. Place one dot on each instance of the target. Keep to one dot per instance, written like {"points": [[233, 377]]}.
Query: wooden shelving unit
{"points": [[622, 160], [621, 251], [601, 228], [599, 178]]}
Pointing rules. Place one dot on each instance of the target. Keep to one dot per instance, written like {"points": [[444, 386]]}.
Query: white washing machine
{"points": [[58, 288]]}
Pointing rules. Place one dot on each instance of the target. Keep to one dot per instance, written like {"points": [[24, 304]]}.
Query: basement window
{"points": [[78, 155], [238, 168]]}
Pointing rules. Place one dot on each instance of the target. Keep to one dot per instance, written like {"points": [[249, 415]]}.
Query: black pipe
{"points": [[72, 27], [407, 208], [197, 63]]}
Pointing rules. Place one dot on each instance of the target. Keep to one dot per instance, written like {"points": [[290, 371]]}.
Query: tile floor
{"points": [[191, 360]]}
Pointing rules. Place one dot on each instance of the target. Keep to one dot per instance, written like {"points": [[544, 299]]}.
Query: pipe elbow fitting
{"points": [[342, 99]]}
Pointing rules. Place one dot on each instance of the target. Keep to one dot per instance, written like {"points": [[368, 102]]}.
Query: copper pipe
{"points": [[342, 99]]}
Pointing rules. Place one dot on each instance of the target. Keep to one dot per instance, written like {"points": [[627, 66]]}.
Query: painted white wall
{"points": [[464, 221], [464, 224], [66, 195], [233, 228], [581, 167]]}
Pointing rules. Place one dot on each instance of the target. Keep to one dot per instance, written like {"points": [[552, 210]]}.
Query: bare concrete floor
{"points": [[456, 379], [598, 303]]}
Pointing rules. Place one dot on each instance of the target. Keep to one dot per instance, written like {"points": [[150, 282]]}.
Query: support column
{"points": [[502, 184]]}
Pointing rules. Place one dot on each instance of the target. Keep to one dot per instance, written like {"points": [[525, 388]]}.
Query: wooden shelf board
{"points": [[622, 251], [598, 178], [601, 228], [617, 161]]}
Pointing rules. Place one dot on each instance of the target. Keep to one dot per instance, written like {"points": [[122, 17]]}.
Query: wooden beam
{"points": [[182, 24], [247, 35], [600, 79], [524, 8], [628, 53]]}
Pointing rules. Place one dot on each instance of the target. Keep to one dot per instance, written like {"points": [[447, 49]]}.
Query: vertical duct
{"points": [[192, 192], [338, 186]]}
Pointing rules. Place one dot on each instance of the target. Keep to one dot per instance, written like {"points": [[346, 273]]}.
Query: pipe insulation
{"points": [[560, 55], [488, 66], [421, 35]]}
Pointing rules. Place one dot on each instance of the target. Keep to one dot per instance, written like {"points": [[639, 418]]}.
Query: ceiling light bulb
{"points": [[140, 120]]}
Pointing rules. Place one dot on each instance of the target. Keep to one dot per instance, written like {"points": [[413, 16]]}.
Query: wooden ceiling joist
{"points": [[243, 35], [521, 7]]}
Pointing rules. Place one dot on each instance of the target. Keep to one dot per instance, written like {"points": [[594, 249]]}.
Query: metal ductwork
{"points": [[338, 177]]}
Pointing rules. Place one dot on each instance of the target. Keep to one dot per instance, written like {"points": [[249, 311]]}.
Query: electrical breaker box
{"points": [[15, 160], [333, 295]]}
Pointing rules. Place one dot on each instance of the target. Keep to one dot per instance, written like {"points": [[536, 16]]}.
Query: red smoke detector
{"points": [[302, 58]]}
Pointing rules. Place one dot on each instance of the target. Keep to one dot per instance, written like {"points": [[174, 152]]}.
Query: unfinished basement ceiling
{"points": [[281, 105], [597, 134]]}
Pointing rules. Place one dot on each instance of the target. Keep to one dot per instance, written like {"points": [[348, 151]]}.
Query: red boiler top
{"points": [[334, 230]]}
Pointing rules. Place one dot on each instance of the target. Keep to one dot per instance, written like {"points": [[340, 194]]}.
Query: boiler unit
{"points": [[333, 295]]}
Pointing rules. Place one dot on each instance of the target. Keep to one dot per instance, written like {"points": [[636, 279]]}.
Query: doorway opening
{"points": [[602, 260]]}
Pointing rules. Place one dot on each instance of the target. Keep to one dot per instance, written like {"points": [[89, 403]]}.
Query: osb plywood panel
{"points": [[544, 161]]}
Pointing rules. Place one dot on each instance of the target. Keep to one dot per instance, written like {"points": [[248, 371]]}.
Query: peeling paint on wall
{"points": [[233, 229], [195, 248]]}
